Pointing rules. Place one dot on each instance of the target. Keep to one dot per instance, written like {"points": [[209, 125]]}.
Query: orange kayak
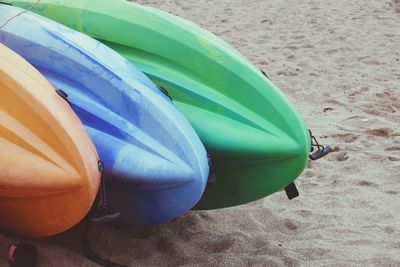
{"points": [[49, 174]]}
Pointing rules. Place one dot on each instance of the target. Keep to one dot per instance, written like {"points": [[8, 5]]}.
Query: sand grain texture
{"points": [[339, 63]]}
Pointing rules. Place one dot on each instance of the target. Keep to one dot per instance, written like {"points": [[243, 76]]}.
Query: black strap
{"points": [[98, 214], [291, 191], [100, 205]]}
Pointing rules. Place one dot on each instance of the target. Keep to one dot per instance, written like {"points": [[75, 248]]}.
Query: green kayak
{"points": [[257, 141]]}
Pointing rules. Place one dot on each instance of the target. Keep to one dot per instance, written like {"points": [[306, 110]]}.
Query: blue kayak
{"points": [[156, 167]]}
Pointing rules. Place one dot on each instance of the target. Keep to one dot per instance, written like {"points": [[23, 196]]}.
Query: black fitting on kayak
{"points": [[22, 255], [263, 72], [164, 91], [291, 191], [64, 95], [100, 166], [321, 152]]}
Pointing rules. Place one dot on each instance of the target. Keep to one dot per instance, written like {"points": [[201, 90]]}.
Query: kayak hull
{"points": [[145, 143], [49, 173]]}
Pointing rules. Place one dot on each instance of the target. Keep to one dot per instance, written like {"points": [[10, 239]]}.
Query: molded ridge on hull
{"points": [[155, 164], [49, 173], [257, 141]]}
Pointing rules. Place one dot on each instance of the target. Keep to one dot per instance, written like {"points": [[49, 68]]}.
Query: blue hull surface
{"points": [[155, 165]]}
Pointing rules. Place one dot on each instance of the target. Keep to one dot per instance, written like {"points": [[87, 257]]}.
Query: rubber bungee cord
{"points": [[314, 143], [19, 14]]}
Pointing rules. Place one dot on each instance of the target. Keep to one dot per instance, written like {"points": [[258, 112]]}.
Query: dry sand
{"points": [[339, 63]]}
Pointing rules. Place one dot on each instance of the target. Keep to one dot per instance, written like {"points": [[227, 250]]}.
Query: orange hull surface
{"points": [[49, 174]]}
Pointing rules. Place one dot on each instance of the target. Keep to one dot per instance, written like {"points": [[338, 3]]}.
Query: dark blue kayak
{"points": [[156, 168]]}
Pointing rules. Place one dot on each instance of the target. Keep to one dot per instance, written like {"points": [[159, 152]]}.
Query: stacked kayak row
{"points": [[152, 149]]}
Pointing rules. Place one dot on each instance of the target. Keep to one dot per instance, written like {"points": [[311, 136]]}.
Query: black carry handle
{"points": [[321, 153]]}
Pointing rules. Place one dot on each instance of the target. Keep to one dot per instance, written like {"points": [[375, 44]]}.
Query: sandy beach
{"points": [[339, 64]]}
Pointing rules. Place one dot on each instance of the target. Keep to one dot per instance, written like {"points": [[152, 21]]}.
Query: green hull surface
{"points": [[257, 141]]}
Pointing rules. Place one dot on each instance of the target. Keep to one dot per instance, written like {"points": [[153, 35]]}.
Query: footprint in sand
{"points": [[387, 102], [396, 5], [367, 183], [347, 137], [165, 246], [358, 92], [287, 73], [393, 148], [224, 243], [341, 156], [309, 174], [391, 158], [381, 132], [205, 216], [304, 213], [289, 224]]}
